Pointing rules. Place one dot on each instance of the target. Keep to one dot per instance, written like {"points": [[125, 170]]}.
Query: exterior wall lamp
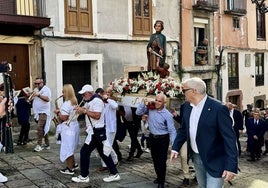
{"points": [[261, 6]]}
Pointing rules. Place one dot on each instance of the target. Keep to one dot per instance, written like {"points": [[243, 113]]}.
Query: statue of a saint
{"points": [[156, 48]]}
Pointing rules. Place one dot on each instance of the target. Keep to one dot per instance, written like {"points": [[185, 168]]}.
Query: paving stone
{"points": [[35, 174], [20, 183], [37, 160], [41, 169], [49, 182]]}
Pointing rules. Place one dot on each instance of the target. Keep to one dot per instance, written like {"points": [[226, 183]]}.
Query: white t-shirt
{"points": [[110, 115], [41, 106], [96, 105]]}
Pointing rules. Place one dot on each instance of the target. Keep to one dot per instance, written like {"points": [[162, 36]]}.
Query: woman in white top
{"points": [[69, 130]]}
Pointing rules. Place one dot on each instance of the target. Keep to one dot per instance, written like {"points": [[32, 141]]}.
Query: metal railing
{"points": [[259, 81], [207, 2], [233, 82], [236, 5]]}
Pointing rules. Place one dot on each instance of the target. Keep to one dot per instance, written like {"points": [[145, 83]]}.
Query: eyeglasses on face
{"points": [[185, 90], [37, 83]]}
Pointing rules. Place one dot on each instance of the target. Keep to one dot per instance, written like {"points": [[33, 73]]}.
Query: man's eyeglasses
{"points": [[37, 83], [184, 90]]}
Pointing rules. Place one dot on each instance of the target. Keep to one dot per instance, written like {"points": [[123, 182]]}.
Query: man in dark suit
{"points": [[255, 131], [238, 123], [207, 128]]}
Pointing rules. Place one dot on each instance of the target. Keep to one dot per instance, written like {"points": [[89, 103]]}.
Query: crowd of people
{"points": [[206, 128], [208, 133]]}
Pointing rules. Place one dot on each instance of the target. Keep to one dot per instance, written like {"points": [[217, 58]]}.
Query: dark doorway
{"points": [[259, 104], [18, 56], [235, 99], [76, 73]]}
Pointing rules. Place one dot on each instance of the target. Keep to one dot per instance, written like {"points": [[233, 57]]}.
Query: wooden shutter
{"points": [[78, 16], [142, 17]]}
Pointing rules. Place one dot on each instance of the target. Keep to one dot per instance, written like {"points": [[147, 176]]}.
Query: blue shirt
{"points": [[160, 122]]}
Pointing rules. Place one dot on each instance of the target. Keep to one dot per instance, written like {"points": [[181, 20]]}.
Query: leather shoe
{"points": [[139, 154], [155, 181]]}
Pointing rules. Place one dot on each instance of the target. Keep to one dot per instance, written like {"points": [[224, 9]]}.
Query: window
{"points": [[233, 76], [236, 4], [236, 23], [260, 25], [142, 17], [259, 69], [78, 15], [201, 42]]}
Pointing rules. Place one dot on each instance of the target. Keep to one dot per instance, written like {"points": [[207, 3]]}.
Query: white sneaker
{"points": [[112, 177], [3, 178], [80, 179], [38, 148]]}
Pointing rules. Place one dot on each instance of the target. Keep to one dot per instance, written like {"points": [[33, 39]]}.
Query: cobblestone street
{"points": [[28, 169]]}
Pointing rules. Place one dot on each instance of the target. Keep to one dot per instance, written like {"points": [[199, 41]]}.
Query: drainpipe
{"points": [[179, 45], [43, 63]]}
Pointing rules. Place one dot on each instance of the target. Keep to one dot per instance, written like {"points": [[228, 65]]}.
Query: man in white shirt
{"points": [[41, 109], [93, 110], [207, 128], [110, 107]]}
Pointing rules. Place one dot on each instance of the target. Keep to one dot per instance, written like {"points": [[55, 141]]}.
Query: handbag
{"points": [[100, 133]]}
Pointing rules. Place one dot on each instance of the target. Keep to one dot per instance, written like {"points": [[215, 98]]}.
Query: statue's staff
{"points": [[155, 53]]}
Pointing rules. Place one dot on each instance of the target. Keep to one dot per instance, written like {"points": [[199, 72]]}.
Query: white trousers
{"points": [[110, 139]]}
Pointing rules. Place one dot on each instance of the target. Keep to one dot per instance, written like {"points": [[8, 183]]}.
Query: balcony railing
{"points": [[259, 80], [236, 7], [22, 7], [233, 83], [207, 5]]}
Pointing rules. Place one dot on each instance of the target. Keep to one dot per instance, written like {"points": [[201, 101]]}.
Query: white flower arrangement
{"points": [[151, 82]]}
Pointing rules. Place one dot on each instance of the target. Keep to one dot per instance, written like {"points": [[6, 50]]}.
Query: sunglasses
{"points": [[184, 90]]}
